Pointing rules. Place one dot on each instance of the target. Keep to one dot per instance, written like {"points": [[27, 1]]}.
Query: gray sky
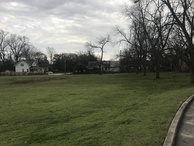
{"points": [[62, 24]]}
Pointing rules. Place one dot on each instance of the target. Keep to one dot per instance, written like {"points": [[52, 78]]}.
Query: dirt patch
{"points": [[135, 137]]}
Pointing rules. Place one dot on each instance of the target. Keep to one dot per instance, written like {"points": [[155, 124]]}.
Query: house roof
{"points": [[29, 62]]}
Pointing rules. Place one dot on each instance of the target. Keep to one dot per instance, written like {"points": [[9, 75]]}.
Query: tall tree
{"points": [[3, 46], [150, 16], [100, 44], [51, 52], [29, 52], [17, 45], [136, 41], [183, 13]]}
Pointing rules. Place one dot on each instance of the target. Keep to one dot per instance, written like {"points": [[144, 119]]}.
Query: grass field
{"points": [[89, 110]]}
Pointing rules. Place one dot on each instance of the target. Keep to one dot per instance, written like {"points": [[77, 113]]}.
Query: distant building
{"points": [[114, 66], [107, 66], [29, 67]]}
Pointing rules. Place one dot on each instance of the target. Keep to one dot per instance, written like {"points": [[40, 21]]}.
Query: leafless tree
{"points": [[150, 17], [51, 52], [28, 52], [3, 45], [14, 48], [17, 45], [183, 13], [136, 42], [100, 44]]}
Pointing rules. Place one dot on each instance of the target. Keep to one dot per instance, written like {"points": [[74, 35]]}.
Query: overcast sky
{"points": [[62, 24]]}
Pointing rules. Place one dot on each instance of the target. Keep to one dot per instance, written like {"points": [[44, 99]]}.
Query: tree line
{"points": [[14, 48], [72, 62], [160, 36]]}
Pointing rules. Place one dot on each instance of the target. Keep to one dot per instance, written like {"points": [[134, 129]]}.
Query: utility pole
{"points": [[65, 67]]}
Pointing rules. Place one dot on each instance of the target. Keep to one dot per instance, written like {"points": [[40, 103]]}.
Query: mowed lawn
{"points": [[89, 110]]}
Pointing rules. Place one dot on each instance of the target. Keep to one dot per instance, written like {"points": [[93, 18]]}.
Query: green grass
{"points": [[89, 110]]}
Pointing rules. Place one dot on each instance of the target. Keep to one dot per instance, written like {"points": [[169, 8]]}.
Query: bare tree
{"points": [[14, 48], [149, 15], [29, 51], [3, 45], [183, 13], [136, 42], [51, 52], [100, 44], [17, 45]]}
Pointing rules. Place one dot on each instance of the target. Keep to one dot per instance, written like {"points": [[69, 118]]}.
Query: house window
{"points": [[21, 64]]}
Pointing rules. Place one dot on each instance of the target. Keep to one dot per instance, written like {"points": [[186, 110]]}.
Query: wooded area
{"points": [[159, 38]]}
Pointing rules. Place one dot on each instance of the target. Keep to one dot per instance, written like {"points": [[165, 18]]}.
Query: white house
{"points": [[28, 66], [22, 66]]}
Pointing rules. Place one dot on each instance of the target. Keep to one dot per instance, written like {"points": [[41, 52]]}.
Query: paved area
{"points": [[185, 133], [181, 130]]}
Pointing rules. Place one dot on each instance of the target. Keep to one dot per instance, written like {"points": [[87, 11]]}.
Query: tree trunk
{"points": [[137, 70], [101, 65], [157, 70], [144, 71], [144, 65], [192, 73]]}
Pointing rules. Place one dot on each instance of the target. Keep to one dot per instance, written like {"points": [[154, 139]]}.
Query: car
{"points": [[49, 72]]}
